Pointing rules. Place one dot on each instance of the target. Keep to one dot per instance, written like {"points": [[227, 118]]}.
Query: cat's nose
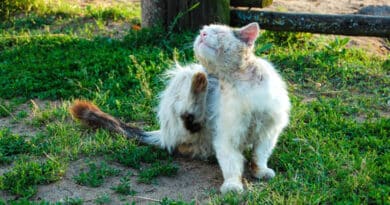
{"points": [[203, 34]]}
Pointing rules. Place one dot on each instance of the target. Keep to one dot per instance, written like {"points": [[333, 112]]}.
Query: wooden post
{"points": [[208, 11], [184, 14], [353, 25]]}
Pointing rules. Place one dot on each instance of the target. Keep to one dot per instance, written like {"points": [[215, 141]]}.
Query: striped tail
{"points": [[92, 116]]}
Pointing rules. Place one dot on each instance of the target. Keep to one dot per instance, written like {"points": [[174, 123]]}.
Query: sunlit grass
{"points": [[335, 150]]}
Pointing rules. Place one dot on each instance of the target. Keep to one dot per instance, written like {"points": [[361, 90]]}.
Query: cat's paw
{"points": [[232, 186], [189, 122], [199, 82], [264, 173]]}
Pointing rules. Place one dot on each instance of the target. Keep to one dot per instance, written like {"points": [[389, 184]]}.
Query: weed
{"points": [[24, 201], [46, 115], [157, 169], [95, 176], [11, 145], [23, 178], [104, 199], [11, 7], [124, 187], [72, 201], [115, 13], [168, 201], [21, 115], [6, 108], [60, 139], [132, 155]]}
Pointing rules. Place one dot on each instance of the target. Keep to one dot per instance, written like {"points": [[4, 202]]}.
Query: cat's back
{"points": [[273, 87], [270, 73], [265, 90]]}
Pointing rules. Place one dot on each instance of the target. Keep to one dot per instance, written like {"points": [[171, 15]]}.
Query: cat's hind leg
{"points": [[182, 108], [268, 134], [261, 153], [195, 112]]}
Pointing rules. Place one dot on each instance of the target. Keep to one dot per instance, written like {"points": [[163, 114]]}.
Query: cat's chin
{"points": [[205, 53], [204, 50]]}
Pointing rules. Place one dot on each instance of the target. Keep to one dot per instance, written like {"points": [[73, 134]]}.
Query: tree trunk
{"points": [[353, 25], [153, 13]]}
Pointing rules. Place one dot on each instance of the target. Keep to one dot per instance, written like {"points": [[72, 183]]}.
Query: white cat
{"points": [[240, 102], [253, 106]]}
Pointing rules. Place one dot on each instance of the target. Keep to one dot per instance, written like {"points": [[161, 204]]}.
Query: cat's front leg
{"points": [[232, 126], [231, 161]]}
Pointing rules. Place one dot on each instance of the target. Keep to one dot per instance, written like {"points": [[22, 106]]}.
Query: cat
{"points": [[230, 101], [186, 114], [254, 105]]}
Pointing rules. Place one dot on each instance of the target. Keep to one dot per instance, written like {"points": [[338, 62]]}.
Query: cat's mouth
{"points": [[203, 43]]}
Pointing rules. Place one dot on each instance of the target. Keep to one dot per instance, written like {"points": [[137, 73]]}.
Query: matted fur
{"points": [[253, 107], [230, 101], [91, 115], [185, 112]]}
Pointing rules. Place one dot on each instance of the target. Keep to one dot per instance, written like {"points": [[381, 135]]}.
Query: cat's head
{"points": [[224, 48]]}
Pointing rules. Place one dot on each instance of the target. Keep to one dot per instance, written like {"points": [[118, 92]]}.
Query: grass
{"points": [[124, 187], [157, 169], [11, 145], [335, 150], [24, 177], [104, 199], [95, 176]]}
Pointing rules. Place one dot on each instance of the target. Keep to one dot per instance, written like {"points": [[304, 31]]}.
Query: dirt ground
{"points": [[195, 179]]}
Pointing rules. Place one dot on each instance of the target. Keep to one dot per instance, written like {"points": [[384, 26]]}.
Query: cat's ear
{"points": [[249, 33]]}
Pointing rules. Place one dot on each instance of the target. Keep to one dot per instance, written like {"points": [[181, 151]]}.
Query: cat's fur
{"points": [[253, 107], [240, 101]]}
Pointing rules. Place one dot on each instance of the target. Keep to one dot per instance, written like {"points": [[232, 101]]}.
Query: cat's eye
{"points": [[203, 34]]}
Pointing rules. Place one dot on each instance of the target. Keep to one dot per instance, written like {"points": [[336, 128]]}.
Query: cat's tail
{"points": [[92, 116]]}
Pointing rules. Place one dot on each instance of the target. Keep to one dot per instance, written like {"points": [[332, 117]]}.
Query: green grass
{"points": [[11, 145], [157, 169], [104, 199], [131, 155], [95, 175], [23, 201], [124, 187], [23, 178], [335, 150], [40, 10]]}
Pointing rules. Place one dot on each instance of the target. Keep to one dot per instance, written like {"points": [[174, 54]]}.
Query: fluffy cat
{"points": [[186, 113], [240, 102], [254, 105]]}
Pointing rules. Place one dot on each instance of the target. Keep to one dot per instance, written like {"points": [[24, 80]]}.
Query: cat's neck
{"points": [[244, 71]]}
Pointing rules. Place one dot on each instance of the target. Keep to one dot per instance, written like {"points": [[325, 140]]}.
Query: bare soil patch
{"points": [[23, 126], [194, 181]]}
